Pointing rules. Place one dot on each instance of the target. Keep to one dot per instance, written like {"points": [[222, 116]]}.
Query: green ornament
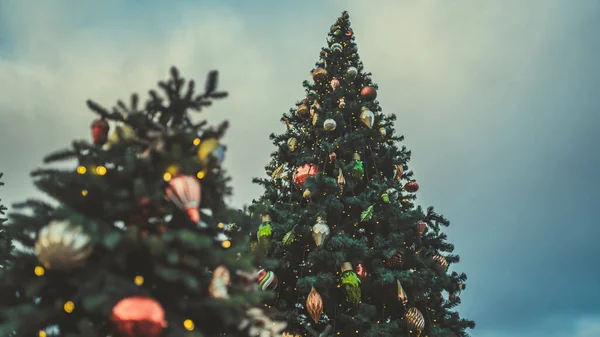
{"points": [[265, 231], [351, 284], [358, 169], [367, 214], [289, 237], [385, 197]]}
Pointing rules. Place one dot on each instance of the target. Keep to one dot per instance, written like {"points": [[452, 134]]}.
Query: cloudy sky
{"points": [[498, 101]]}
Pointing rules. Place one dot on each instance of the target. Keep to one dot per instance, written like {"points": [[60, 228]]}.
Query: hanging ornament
{"points": [[303, 172], [138, 317], [258, 324], [411, 187], [399, 172], [351, 283], [393, 194], [306, 194], [210, 151], [320, 232], [287, 123], [340, 180], [342, 103], [302, 111], [332, 157], [401, 294], [336, 48], [368, 93], [361, 271], [396, 261], [357, 168], [421, 227], [335, 83], [100, 130], [292, 142], [264, 232], [367, 117], [415, 320], [349, 33], [329, 125], [122, 134], [219, 282], [315, 119], [367, 214], [385, 197], [62, 246], [314, 305], [382, 131], [441, 260], [278, 172], [267, 280], [352, 72], [185, 192], [319, 75], [289, 237]]}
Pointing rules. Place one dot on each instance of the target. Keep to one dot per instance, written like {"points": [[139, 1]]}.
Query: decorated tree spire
{"points": [[357, 256]]}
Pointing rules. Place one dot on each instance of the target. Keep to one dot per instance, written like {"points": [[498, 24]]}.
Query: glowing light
{"points": [[167, 176], [226, 244], [39, 270], [188, 324], [197, 141], [69, 307], [100, 170], [84, 192], [138, 280], [81, 170]]}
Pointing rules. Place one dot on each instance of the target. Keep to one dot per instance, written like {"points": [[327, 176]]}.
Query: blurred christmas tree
{"points": [[6, 246], [142, 242], [357, 257]]}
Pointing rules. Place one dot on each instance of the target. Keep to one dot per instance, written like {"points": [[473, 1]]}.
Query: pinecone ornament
{"points": [[395, 261]]}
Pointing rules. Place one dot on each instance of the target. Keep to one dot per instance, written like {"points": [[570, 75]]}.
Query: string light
{"points": [[226, 244], [167, 176], [81, 169], [42, 333], [188, 324], [100, 170], [84, 192], [138, 280], [197, 141], [69, 307], [39, 271]]}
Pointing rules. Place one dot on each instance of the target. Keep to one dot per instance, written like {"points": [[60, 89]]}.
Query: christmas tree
{"points": [[357, 256], [141, 242], [6, 247]]}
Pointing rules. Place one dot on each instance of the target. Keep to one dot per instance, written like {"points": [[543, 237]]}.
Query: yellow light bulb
{"points": [[200, 174], [100, 170], [69, 307], [84, 192], [39, 270], [197, 141], [188, 324], [226, 244], [167, 176], [42, 333], [81, 169], [221, 225], [138, 280]]}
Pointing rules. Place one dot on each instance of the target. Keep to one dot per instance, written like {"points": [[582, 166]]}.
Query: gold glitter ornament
{"points": [[62, 246]]}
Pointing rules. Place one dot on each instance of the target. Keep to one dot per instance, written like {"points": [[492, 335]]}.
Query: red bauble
{"points": [[411, 187], [368, 93], [361, 271], [421, 227], [349, 33], [395, 261], [138, 317], [303, 172], [99, 131]]}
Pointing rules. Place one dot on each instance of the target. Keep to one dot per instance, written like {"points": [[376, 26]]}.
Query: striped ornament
{"points": [[415, 319], [185, 192], [267, 280], [441, 260]]}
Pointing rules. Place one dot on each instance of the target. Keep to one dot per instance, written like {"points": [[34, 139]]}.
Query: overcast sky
{"points": [[498, 100]]}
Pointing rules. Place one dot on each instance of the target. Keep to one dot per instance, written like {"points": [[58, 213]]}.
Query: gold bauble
{"points": [[319, 74], [292, 142], [61, 245], [367, 117]]}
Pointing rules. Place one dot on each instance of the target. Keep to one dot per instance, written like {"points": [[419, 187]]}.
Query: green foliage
{"points": [[119, 195], [371, 217]]}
